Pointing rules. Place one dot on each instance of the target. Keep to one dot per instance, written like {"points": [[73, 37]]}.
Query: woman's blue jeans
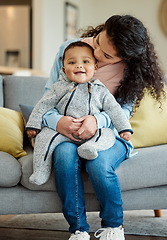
{"points": [[101, 171]]}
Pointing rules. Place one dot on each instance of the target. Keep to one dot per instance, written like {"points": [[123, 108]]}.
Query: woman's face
{"points": [[104, 50]]}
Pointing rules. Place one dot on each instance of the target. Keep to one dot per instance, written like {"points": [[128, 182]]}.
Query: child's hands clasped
{"points": [[32, 133], [126, 136]]}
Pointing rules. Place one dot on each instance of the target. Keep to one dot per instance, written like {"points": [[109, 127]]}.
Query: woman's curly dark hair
{"points": [[133, 45]]}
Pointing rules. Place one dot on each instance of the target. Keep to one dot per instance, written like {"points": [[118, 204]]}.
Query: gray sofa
{"points": [[143, 178]]}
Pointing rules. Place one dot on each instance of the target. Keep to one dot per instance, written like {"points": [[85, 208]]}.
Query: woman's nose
{"points": [[97, 53]]}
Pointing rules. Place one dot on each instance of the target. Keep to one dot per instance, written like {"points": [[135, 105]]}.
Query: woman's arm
{"points": [[86, 126], [128, 109], [104, 121]]}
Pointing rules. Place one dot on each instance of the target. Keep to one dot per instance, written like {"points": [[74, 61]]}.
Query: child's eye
{"points": [[71, 62], [86, 61]]}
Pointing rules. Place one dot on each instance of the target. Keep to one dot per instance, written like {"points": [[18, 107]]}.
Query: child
{"points": [[76, 94]]}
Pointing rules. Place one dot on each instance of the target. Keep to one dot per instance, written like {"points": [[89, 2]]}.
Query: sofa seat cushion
{"points": [[146, 169], [10, 170], [27, 169], [32, 89]]}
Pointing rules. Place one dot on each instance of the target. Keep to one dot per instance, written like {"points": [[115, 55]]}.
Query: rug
{"points": [[135, 222]]}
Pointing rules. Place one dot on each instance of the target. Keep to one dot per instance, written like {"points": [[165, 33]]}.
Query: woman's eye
{"points": [[107, 57]]}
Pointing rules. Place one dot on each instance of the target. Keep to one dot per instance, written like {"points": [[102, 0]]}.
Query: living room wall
{"points": [[48, 28], [147, 11], [49, 22]]}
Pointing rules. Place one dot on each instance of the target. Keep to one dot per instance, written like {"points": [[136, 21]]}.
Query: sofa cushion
{"points": [[27, 168], [11, 132], [10, 170], [146, 169], [23, 90], [1, 91], [26, 111], [149, 123]]}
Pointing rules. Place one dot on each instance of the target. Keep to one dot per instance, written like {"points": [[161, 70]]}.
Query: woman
{"points": [[127, 64]]}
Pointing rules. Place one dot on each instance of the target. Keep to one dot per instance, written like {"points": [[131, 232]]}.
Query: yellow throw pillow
{"points": [[11, 132], [149, 123]]}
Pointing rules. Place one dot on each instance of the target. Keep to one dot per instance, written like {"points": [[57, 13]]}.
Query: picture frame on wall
{"points": [[163, 16], [71, 21], [12, 58]]}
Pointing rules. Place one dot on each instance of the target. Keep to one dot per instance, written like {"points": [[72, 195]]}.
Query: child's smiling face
{"points": [[79, 64]]}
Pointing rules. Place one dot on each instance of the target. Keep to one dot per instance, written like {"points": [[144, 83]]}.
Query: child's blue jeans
{"points": [[102, 175]]}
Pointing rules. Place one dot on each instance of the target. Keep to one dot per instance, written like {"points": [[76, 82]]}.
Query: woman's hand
{"points": [[68, 127], [88, 127]]}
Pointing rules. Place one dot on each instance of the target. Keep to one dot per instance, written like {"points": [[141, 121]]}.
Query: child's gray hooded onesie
{"points": [[74, 100]]}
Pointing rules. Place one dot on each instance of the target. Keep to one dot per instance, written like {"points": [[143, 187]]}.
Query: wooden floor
{"points": [[27, 234], [33, 234]]}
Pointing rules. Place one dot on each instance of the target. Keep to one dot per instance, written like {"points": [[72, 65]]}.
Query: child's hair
{"points": [[133, 45], [78, 44]]}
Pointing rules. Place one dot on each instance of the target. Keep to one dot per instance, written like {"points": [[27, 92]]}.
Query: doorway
{"points": [[16, 33]]}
